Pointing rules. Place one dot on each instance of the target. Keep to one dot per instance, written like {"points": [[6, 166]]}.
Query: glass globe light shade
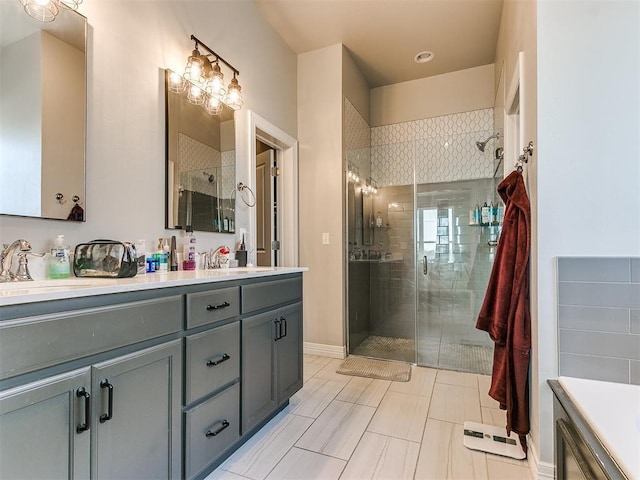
{"points": [[213, 105], [215, 82], [196, 95], [177, 84], [234, 96], [71, 4], [193, 70], [43, 10]]}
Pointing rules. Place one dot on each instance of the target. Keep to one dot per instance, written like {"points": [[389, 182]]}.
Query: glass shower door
{"points": [[381, 273], [454, 263]]}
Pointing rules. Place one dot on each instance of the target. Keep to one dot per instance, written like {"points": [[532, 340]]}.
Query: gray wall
{"points": [[599, 318]]}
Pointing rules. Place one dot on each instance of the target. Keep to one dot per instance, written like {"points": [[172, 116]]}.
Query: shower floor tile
{"points": [[387, 348]]}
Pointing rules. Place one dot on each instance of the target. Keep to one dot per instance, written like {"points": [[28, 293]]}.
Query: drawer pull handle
{"points": [[278, 330], [224, 425], [213, 363], [82, 393], [220, 305], [109, 415], [283, 327]]}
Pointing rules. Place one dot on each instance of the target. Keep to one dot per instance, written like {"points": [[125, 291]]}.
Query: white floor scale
{"points": [[492, 439]]}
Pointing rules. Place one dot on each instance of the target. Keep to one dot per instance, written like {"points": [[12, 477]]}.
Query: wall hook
{"points": [[60, 198]]}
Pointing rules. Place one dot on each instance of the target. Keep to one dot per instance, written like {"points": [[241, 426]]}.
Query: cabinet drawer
{"points": [[33, 343], [212, 306], [267, 294], [219, 416], [213, 360]]}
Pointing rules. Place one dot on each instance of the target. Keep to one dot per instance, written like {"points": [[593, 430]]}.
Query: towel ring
{"points": [[242, 188]]}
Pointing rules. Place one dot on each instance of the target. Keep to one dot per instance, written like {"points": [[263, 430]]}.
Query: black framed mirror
{"points": [[42, 114], [200, 165]]}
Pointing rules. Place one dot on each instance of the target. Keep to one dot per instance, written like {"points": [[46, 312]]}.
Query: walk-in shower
{"points": [[418, 263]]}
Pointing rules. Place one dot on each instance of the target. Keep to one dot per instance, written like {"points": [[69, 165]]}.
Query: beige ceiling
{"points": [[383, 36]]}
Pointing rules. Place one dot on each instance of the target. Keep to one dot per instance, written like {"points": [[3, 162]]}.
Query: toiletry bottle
{"points": [[379, 220], [494, 214], [173, 255], [164, 254], [59, 262], [485, 214], [189, 250], [225, 224], [476, 214]]}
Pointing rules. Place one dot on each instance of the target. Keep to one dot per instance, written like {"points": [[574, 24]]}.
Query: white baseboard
{"points": [[333, 351], [539, 470]]}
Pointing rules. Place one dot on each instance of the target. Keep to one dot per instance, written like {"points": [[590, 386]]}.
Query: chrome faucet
{"points": [[213, 258], [22, 273]]}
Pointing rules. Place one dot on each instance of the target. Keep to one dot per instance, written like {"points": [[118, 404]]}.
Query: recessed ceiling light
{"points": [[424, 57]]}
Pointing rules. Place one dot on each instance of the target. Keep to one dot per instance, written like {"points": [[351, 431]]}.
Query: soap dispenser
{"points": [[59, 265]]}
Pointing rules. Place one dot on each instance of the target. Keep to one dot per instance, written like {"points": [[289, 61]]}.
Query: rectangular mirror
{"points": [[201, 166], [42, 114]]}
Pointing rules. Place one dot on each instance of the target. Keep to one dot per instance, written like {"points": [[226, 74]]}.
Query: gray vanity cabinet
{"points": [[160, 384], [289, 352], [271, 362], [44, 430], [136, 428], [122, 417], [259, 396]]}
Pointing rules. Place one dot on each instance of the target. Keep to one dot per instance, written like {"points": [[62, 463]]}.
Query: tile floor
{"points": [[342, 427]]}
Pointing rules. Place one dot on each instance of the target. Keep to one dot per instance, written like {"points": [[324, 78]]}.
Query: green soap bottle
{"points": [[59, 266]]}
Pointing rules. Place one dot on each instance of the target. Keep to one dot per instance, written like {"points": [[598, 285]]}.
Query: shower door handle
{"points": [[425, 265]]}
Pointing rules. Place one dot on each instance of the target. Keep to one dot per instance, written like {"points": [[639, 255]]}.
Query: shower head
{"points": [[482, 145]]}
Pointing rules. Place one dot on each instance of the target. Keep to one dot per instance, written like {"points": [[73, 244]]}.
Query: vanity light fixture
{"points": [[370, 187], [204, 81], [353, 173], [47, 10]]}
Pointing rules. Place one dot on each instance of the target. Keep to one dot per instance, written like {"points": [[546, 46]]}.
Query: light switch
{"points": [[325, 238]]}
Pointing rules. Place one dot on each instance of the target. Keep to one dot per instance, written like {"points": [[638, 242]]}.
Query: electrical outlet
{"points": [[325, 238]]}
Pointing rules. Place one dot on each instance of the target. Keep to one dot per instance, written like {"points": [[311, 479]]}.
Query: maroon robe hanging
{"points": [[505, 310]]}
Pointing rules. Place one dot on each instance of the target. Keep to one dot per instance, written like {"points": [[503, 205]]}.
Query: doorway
{"points": [[266, 205]]}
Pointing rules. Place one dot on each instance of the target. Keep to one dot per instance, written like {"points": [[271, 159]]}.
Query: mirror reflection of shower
{"points": [[482, 145]]}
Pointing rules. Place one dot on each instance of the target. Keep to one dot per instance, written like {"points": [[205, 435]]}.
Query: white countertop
{"points": [[15, 293], [613, 412]]}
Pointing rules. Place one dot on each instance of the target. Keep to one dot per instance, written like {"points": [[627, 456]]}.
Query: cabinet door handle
{"points": [[209, 433], [213, 363], [283, 327], [277, 324], [220, 305], [82, 393], [425, 265], [109, 415]]}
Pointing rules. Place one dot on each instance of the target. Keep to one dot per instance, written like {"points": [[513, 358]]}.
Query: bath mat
{"points": [[380, 369]]}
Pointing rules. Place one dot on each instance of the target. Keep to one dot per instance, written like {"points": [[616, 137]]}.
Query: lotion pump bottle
{"points": [[189, 250], [59, 266]]}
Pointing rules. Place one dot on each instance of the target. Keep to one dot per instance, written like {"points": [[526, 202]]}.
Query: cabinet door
{"points": [[289, 352], [43, 428], [137, 415], [259, 397]]}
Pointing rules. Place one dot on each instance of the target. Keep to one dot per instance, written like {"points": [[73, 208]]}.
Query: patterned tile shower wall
{"points": [[443, 149], [228, 173], [357, 139], [197, 162]]}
